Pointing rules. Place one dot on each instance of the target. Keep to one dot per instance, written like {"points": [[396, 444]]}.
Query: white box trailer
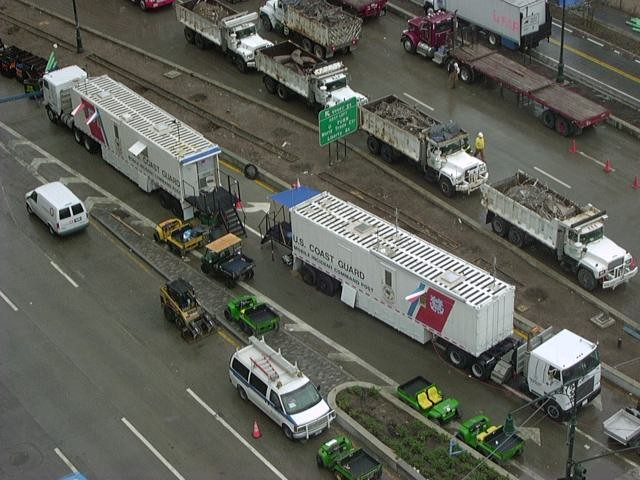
{"points": [[401, 279], [148, 145]]}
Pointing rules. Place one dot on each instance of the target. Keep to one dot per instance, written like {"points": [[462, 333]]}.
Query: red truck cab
{"points": [[428, 33], [363, 8], [152, 4]]}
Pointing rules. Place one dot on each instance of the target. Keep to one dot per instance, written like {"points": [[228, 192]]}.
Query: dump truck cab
{"points": [[224, 258], [181, 307]]}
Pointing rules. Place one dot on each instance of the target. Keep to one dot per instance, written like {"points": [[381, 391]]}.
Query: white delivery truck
{"points": [[152, 148], [278, 388], [430, 294], [439, 150], [512, 23], [209, 22], [523, 209], [288, 69]]}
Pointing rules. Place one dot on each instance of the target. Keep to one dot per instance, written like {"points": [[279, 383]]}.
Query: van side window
{"points": [[275, 399], [34, 197], [65, 213], [259, 385], [77, 209], [240, 368]]}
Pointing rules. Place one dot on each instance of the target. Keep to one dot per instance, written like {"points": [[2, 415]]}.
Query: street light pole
{"points": [[560, 77], [569, 470], [79, 48]]}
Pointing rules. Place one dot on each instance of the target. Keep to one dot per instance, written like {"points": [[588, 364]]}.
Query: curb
{"points": [[380, 449]]}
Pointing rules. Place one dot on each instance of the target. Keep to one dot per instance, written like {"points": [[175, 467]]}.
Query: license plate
{"points": [[79, 219]]}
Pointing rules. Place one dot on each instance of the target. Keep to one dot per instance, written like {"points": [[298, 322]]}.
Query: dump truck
{"points": [[210, 22], [146, 144], [253, 316], [429, 294], [438, 150], [624, 427], [180, 236], [223, 258], [557, 106], [524, 209], [290, 70], [516, 24], [182, 308], [425, 397], [316, 25], [347, 462], [492, 441], [363, 8]]}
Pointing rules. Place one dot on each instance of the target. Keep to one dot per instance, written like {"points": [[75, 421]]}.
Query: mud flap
{"points": [[348, 295]]}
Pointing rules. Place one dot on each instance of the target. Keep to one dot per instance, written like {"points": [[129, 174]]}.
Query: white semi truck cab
{"points": [[334, 88], [242, 37]]}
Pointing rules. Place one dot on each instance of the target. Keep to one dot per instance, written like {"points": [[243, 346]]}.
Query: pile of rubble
{"points": [[212, 11], [402, 115], [546, 203], [322, 11], [296, 61]]}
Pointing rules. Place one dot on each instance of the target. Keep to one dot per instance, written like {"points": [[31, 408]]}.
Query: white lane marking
{"points": [[559, 25], [595, 42], [70, 280], [616, 52], [152, 448], [253, 230], [276, 472], [9, 302], [552, 177], [66, 461], [418, 101], [637, 60], [595, 160]]}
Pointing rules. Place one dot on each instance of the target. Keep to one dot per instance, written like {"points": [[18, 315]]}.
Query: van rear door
{"points": [[71, 217]]}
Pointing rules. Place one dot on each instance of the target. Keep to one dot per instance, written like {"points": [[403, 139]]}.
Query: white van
{"points": [[58, 208], [279, 389]]}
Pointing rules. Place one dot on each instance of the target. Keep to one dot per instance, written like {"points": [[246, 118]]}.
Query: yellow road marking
{"points": [[520, 333], [228, 338], [230, 166], [265, 186], [119, 246], [597, 61]]}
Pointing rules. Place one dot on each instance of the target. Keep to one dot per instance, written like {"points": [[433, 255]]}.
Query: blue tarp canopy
{"points": [[74, 476], [291, 198]]}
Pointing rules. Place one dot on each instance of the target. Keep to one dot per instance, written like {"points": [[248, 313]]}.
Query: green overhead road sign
{"points": [[338, 121]]}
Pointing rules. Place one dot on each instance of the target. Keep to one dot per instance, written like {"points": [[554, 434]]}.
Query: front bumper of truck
{"points": [[473, 184], [619, 276]]}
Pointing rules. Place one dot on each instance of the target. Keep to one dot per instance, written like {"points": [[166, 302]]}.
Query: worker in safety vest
{"points": [[480, 146]]}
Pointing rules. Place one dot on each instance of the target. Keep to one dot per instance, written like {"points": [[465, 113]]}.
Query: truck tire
{"points": [[457, 357], [553, 410], [446, 187], [309, 275], [500, 226], [205, 268], [189, 35], [240, 65], [53, 118], [168, 314], [386, 152], [282, 92], [493, 39], [408, 45], [265, 23], [307, 45], [466, 74], [90, 145], [269, 84], [548, 119], [373, 144], [480, 371], [242, 394], [324, 283], [287, 432], [319, 51], [251, 171], [78, 135], [29, 211], [200, 41], [586, 279], [516, 236], [563, 127]]}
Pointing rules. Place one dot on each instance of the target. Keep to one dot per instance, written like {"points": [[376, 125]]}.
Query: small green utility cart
{"points": [[490, 440], [347, 462], [254, 317], [425, 397]]}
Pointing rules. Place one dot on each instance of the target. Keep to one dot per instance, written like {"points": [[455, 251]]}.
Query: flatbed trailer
{"points": [[563, 109]]}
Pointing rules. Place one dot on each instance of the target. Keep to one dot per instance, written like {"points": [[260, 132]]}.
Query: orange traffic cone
{"points": [[256, 430], [239, 204], [573, 148], [635, 185], [607, 167]]}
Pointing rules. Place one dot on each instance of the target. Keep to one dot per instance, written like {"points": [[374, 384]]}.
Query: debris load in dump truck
{"points": [[317, 9], [297, 61], [537, 197], [212, 11], [404, 116]]}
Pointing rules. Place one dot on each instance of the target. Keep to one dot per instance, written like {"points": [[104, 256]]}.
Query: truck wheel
{"points": [[52, 116], [548, 119], [266, 23], [466, 74], [200, 41], [189, 35], [204, 267], [282, 92], [480, 371], [242, 393], [586, 279], [446, 187], [386, 152], [408, 45], [156, 237], [516, 236], [373, 144], [230, 283], [287, 432], [240, 65], [309, 275], [563, 127], [29, 211], [500, 226], [325, 284], [307, 45], [270, 84], [494, 40], [553, 410], [143, 5], [89, 144], [457, 357], [169, 315], [78, 135], [318, 51], [251, 171]]}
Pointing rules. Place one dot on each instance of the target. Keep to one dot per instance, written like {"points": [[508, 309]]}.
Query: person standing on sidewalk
{"points": [[453, 75], [480, 147]]}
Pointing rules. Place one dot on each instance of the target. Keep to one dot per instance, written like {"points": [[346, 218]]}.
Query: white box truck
{"points": [[151, 147], [430, 294], [524, 209], [439, 150], [290, 70], [209, 22], [512, 23]]}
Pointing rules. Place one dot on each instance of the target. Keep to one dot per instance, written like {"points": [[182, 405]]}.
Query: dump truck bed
{"points": [[360, 464], [623, 426], [261, 313], [521, 80]]}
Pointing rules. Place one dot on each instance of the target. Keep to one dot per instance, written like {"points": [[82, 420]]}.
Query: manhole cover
{"points": [[19, 458]]}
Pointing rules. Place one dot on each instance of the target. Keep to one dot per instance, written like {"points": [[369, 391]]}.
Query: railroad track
{"points": [[39, 33], [389, 212]]}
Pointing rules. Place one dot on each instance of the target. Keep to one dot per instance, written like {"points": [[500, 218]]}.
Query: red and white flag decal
{"points": [[435, 310]]}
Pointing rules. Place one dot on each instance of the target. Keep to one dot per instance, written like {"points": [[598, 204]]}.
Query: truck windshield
{"points": [[450, 147], [336, 84], [581, 368], [596, 234], [301, 399], [443, 27], [245, 32]]}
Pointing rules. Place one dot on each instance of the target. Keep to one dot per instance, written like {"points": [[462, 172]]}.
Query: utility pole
{"points": [[79, 48], [569, 471], [560, 77]]}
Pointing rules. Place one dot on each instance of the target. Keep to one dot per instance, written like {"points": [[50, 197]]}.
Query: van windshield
{"points": [[585, 366], [301, 399]]}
